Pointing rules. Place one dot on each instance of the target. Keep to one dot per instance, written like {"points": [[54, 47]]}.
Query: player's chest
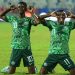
{"points": [[21, 23], [61, 29]]}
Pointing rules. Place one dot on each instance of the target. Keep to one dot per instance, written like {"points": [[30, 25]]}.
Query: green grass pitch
{"points": [[40, 39]]}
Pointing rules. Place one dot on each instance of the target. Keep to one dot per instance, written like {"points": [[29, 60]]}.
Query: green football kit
{"points": [[21, 40], [59, 48]]}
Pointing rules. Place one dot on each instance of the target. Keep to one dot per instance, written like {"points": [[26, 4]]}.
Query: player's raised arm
{"points": [[36, 19], [2, 15], [73, 16], [70, 15], [44, 16], [47, 15]]}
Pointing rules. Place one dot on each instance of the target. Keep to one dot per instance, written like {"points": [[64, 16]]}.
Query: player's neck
{"points": [[22, 15]]}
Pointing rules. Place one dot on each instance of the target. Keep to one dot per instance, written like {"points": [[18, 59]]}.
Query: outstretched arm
{"points": [[70, 15], [47, 15], [44, 16], [40, 19], [2, 15], [73, 16], [36, 19]]}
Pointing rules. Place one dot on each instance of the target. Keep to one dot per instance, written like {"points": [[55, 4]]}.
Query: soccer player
{"points": [[59, 48], [21, 47]]}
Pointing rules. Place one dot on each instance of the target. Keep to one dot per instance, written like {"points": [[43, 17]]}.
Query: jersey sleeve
{"points": [[46, 23], [32, 21], [9, 18], [72, 24]]}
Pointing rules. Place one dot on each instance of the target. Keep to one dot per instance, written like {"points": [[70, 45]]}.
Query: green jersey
{"points": [[59, 36], [21, 31]]}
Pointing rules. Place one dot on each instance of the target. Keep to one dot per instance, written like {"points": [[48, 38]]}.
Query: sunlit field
{"points": [[40, 39]]}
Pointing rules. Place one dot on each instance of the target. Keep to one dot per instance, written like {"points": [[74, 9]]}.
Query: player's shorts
{"points": [[63, 59], [18, 54]]}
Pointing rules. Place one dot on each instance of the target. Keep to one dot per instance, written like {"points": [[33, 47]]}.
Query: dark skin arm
{"points": [[36, 20], [39, 19], [44, 16], [70, 15], [73, 16], [2, 15], [47, 15]]}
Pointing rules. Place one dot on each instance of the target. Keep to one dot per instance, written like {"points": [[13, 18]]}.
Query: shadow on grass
{"points": [[23, 73], [60, 74], [18, 73]]}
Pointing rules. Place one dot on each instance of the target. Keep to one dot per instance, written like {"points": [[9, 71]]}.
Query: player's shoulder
{"points": [[69, 20]]}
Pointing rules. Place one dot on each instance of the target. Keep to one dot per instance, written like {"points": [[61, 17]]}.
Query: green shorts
{"points": [[63, 59], [18, 54]]}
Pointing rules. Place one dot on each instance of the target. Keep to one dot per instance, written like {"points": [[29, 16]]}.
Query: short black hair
{"points": [[30, 7], [59, 10], [24, 3]]}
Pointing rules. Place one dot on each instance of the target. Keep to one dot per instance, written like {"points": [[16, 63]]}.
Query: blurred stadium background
{"points": [[40, 35], [41, 5]]}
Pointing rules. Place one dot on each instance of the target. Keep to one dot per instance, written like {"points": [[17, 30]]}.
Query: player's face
{"points": [[61, 17], [21, 8]]}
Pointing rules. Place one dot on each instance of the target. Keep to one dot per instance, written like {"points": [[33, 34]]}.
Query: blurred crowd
{"points": [[41, 5]]}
